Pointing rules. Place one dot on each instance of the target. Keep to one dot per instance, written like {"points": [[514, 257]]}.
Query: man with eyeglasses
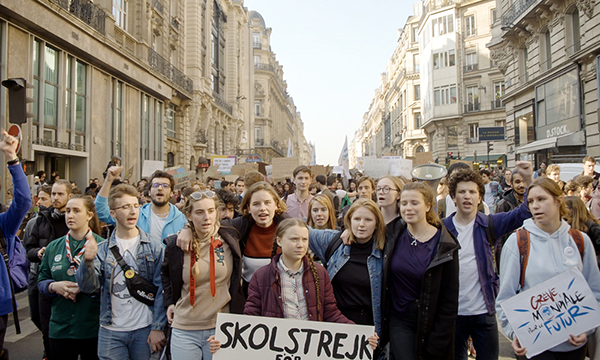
{"points": [[159, 218], [129, 329]]}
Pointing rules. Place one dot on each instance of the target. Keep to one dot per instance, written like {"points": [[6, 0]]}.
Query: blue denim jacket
{"points": [[318, 242], [149, 257]]}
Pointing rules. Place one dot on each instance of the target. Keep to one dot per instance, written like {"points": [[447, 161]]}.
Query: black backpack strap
{"points": [[332, 247], [4, 251], [115, 250], [490, 232]]}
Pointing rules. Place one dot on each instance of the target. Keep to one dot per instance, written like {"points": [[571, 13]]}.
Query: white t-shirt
{"points": [[128, 313], [470, 295], [157, 224]]}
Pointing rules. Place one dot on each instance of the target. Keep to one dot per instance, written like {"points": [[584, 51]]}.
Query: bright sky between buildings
{"points": [[333, 54]]}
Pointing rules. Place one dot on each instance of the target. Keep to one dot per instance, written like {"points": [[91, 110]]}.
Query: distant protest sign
{"points": [[182, 177], [225, 163], [360, 162], [423, 158], [376, 168], [259, 338], [150, 166], [318, 170], [400, 167], [284, 167], [546, 314], [243, 168]]}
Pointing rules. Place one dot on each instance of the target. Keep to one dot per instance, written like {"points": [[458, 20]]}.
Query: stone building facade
{"points": [[548, 53]]}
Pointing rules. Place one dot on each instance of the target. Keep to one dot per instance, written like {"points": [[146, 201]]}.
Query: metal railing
{"points": [[471, 107], [259, 142], [172, 73], [159, 6], [471, 67], [265, 67], [257, 45], [222, 103], [86, 12], [518, 7], [497, 104]]}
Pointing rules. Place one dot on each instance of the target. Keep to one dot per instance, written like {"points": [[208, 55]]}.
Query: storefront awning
{"points": [[482, 158], [576, 138]]}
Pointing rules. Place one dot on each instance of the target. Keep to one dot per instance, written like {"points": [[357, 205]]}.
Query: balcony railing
{"points": [[175, 22], [222, 103], [265, 67], [497, 104], [169, 71], [256, 45], [86, 12], [259, 142], [471, 67], [159, 6], [518, 7], [471, 107]]}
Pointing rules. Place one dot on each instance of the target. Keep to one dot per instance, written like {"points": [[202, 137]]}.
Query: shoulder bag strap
{"points": [[578, 238], [523, 243], [115, 250]]}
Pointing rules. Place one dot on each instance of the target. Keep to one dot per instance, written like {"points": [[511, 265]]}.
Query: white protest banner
{"points": [[150, 166], [376, 168], [545, 315], [225, 162], [401, 167], [360, 162], [338, 169], [259, 338]]}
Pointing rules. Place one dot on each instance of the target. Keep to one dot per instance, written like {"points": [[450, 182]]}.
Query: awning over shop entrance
{"points": [[573, 139], [482, 158]]}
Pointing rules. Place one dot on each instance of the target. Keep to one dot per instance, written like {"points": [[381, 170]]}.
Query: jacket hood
{"points": [[534, 230]]}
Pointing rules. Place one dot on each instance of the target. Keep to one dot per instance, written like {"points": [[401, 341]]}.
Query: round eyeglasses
{"points": [[385, 190]]}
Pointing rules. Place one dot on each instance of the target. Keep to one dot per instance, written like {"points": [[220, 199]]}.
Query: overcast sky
{"points": [[332, 53]]}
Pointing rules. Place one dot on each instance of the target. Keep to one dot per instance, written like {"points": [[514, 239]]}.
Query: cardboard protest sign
{"points": [[150, 166], [470, 163], [182, 177], [318, 170], [258, 338], [243, 168], [225, 162], [545, 315], [376, 168], [211, 171], [423, 158], [284, 167], [400, 167]]}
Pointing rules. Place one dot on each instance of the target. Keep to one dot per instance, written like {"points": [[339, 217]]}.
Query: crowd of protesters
{"points": [[417, 264]]}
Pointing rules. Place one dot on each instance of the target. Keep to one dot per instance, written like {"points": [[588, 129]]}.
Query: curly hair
{"points": [[256, 187], [465, 175]]}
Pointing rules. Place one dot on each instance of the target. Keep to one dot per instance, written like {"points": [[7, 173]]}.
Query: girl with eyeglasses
{"points": [[74, 322], [201, 283], [388, 197]]}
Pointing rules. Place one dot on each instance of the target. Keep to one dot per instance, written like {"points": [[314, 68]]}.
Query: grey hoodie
{"points": [[546, 259]]}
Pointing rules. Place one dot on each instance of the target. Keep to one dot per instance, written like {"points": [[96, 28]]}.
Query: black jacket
{"points": [[172, 271], [508, 202], [438, 301]]}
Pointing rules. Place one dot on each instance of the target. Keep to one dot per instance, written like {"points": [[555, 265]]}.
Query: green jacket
{"points": [[69, 320]]}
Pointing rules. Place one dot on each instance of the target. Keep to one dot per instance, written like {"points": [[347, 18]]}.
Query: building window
{"points": [[117, 117], [171, 121], [436, 61], [417, 120], [119, 11], [256, 60], [258, 136], [494, 16], [471, 62], [442, 25], [151, 128], [474, 132], [452, 137], [170, 159], [498, 93], [445, 95], [545, 51], [256, 40], [417, 92], [573, 32], [470, 28], [416, 62], [420, 149], [451, 58], [415, 34], [76, 81], [524, 126], [558, 101], [523, 64], [257, 109], [218, 49], [472, 99]]}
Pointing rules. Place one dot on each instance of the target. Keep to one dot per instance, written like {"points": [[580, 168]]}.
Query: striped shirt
{"points": [[292, 294]]}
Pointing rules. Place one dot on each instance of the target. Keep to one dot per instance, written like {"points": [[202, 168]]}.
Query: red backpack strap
{"points": [[578, 238], [523, 243]]}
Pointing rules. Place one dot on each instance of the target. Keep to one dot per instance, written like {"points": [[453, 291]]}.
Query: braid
{"points": [[313, 269], [275, 247]]}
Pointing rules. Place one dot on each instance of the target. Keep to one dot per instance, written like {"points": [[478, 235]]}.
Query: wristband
{"points": [[12, 162], [50, 288]]}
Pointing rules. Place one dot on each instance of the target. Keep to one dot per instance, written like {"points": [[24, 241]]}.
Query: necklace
{"points": [[415, 241]]}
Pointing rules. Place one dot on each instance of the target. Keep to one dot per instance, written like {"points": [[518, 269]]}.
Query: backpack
{"points": [[18, 272], [524, 244]]}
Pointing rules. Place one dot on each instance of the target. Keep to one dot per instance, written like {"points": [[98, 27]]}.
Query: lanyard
{"points": [[77, 258]]}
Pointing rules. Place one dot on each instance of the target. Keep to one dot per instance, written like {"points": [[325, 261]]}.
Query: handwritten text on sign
{"points": [[254, 337], [545, 315]]}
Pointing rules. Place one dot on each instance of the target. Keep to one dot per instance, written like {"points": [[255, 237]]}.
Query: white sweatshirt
{"points": [[546, 259]]}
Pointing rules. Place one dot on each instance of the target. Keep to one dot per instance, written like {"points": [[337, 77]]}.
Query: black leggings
{"points": [[70, 349], [403, 334]]}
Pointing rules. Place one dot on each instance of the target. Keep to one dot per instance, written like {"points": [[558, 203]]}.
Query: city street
{"points": [[28, 345]]}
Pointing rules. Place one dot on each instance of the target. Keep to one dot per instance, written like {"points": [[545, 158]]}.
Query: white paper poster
{"points": [[546, 314], [260, 338]]}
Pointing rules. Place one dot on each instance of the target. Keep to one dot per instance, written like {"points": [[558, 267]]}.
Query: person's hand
{"points": [[156, 340], [184, 239], [578, 340], [373, 340], [170, 313], [525, 169], [113, 173], [91, 249], [41, 252], [215, 344], [66, 289], [520, 351], [9, 146], [345, 237]]}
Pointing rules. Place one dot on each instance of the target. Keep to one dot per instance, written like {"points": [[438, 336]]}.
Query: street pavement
{"points": [[28, 344]]}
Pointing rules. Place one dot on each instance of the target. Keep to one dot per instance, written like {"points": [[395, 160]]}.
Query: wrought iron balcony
{"points": [[222, 103], [256, 45], [497, 104], [86, 12], [265, 67], [259, 142], [159, 6], [471, 107], [169, 71], [471, 67], [517, 8]]}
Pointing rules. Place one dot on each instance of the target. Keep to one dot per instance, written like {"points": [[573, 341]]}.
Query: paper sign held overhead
{"points": [[150, 166], [224, 162], [376, 168], [400, 167], [284, 167], [423, 158]]}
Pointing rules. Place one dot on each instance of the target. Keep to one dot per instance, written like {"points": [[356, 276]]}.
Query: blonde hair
{"points": [[256, 187], [579, 213], [552, 168], [325, 201], [552, 188], [379, 233], [428, 197]]}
